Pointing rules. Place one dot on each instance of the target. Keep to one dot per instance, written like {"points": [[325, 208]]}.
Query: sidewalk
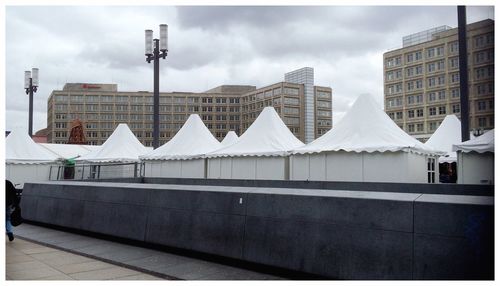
{"points": [[78, 254], [30, 261]]}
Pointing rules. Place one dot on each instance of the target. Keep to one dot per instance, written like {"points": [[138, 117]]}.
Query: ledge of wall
{"points": [[335, 233]]}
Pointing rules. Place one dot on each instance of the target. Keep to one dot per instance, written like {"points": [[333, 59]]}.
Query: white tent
{"points": [[68, 151], [448, 133], [115, 157], [260, 153], [367, 146], [231, 138], [25, 160], [181, 157], [476, 159]]}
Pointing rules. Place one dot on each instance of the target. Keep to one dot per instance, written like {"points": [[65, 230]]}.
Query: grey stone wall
{"points": [[335, 233]]}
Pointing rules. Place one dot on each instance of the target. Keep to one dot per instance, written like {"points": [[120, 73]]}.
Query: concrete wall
{"points": [[339, 234], [476, 168], [360, 167], [249, 168]]}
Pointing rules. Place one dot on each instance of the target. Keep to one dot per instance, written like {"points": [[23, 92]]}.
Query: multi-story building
{"points": [[229, 107], [421, 79]]}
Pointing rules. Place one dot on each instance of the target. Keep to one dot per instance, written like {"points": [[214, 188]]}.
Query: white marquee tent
{"points": [[231, 138], [448, 133], [365, 146], [260, 153], [69, 151], [476, 159], [181, 157], [121, 147], [25, 160]]}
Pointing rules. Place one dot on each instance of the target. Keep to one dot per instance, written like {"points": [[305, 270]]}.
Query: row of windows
{"points": [[143, 99], [438, 51]]}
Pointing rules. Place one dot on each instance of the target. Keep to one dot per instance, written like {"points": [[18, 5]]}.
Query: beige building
{"points": [[229, 107], [421, 80]]}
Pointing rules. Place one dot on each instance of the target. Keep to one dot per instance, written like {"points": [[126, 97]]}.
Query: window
{"points": [[481, 105], [431, 170], [410, 99], [431, 97], [411, 127], [291, 101], [441, 95], [92, 98], [442, 110], [418, 55], [419, 83], [455, 93], [61, 107], [61, 98], [91, 107], [455, 78], [418, 69], [431, 67], [431, 53], [399, 115], [409, 57], [481, 121], [411, 113], [291, 91], [440, 80], [453, 63], [409, 86], [420, 113], [455, 108], [433, 126], [432, 111], [106, 107], [453, 47], [420, 127], [291, 120]]}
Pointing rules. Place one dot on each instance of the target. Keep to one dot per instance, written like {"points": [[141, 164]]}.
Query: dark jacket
{"points": [[10, 194]]}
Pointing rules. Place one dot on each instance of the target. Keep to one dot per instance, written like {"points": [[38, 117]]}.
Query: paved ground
{"points": [[30, 261], [83, 257]]}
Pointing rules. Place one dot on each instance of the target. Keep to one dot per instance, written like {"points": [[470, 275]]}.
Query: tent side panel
{"points": [[344, 166], [385, 167], [243, 168], [226, 168], [476, 168], [24, 173], [317, 164], [214, 171], [193, 168], [153, 169], [270, 168], [299, 167], [417, 168]]}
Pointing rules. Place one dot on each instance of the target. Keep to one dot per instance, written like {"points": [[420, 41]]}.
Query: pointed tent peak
{"points": [[20, 148], [121, 146], [231, 138], [481, 144], [448, 133], [191, 141], [267, 136], [366, 128]]}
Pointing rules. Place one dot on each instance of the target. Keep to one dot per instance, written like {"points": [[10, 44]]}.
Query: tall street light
{"points": [[154, 54], [31, 85]]}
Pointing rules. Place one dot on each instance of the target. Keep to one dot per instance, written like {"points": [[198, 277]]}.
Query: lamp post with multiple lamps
{"points": [[154, 54], [31, 85]]}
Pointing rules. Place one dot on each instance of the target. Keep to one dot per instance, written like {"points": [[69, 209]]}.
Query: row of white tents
{"points": [[365, 146]]}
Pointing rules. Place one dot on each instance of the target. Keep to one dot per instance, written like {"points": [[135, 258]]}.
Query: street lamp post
{"points": [[31, 85], [154, 54]]}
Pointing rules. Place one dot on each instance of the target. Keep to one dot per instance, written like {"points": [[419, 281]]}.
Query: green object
{"points": [[70, 162]]}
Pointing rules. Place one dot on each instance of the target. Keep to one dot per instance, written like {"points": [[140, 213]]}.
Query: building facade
{"points": [[225, 108], [422, 83]]}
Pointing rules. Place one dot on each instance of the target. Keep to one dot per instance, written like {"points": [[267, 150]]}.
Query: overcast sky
{"points": [[208, 47]]}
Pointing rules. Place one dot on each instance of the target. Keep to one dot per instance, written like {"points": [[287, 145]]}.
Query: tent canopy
{"points": [[481, 144], [67, 151], [267, 136], [192, 141], [365, 128], [121, 146], [448, 133], [230, 139], [21, 149]]}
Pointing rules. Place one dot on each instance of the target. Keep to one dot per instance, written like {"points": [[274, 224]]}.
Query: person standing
{"points": [[10, 203]]}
